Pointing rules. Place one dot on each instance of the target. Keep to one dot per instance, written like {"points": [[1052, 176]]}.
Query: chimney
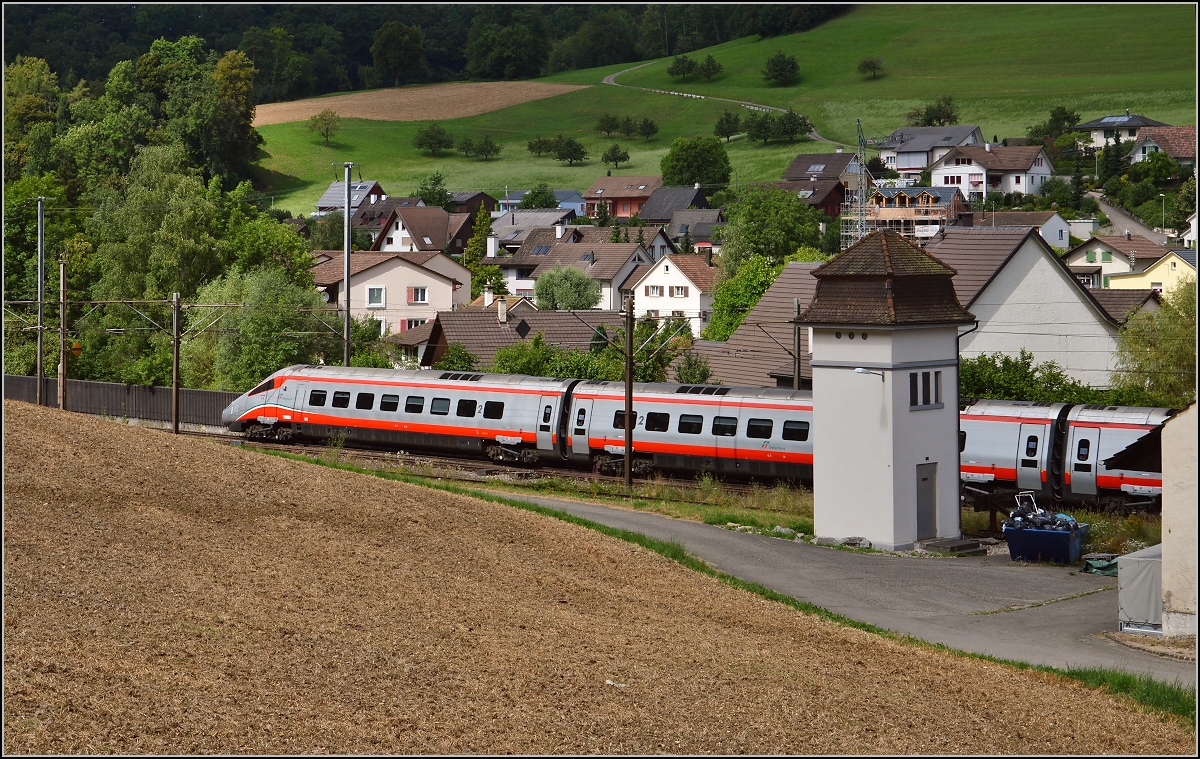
{"points": [[697, 186], [493, 242], [487, 296], [1126, 111], [1128, 235], [708, 256], [513, 219], [987, 146], [558, 230], [502, 310]]}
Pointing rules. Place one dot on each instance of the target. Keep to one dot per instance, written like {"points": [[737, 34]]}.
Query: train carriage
{"points": [[1096, 433]]}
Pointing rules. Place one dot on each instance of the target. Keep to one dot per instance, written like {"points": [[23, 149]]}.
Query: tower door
{"points": [[927, 500]]}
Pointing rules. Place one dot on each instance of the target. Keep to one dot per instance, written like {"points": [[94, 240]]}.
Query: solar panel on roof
{"points": [[817, 167], [1114, 119]]}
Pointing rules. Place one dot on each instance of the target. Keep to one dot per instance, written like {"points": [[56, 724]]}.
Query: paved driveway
{"points": [[942, 600], [1122, 221]]}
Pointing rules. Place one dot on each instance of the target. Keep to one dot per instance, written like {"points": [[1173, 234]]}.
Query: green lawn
{"points": [[1005, 65]]}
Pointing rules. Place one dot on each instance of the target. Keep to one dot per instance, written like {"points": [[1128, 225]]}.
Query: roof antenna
{"points": [[360, 175]]}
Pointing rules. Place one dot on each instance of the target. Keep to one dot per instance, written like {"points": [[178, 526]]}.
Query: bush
{"points": [[781, 69]]}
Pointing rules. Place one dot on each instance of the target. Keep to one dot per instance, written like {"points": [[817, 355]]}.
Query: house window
{"points": [[1017, 180], [389, 241], [924, 390], [417, 295], [704, 315], [679, 291], [654, 291], [1172, 266], [1131, 132], [1109, 134], [653, 314], [1060, 234], [1037, 162], [678, 314], [952, 179], [375, 297], [414, 323], [1156, 287]]}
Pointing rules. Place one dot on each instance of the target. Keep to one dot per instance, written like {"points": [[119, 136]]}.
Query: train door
{"points": [[724, 431], [1029, 456], [580, 423], [545, 423], [1085, 444]]}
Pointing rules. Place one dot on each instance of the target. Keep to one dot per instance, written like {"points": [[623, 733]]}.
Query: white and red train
{"points": [[1054, 449]]}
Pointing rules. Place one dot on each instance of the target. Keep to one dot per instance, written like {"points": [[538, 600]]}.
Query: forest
{"points": [[304, 50]]}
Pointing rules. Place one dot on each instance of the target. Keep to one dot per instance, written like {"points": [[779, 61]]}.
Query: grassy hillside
{"points": [[298, 166], [1005, 65]]}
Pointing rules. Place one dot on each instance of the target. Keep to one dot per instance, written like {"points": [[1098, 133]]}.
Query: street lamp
{"points": [[863, 370], [1164, 204]]}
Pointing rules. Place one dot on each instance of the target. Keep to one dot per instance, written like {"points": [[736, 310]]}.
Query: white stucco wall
{"points": [[396, 276], [1118, 262], [867, 442], [1179, 523], [1056, 232], [666, 276], [1033, 304]]}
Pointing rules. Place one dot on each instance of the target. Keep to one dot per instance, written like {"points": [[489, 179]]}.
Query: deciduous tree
{"points": [[566, 288], [871, 65], [433, 191], [433, 138], [682, 67], [326, 124], [541, 196], [696, 159], [781, 69], [709, 68], [570, 150], [399, 53], [647, 128], [615, 155], [728, 125], [608, 124], [940, 112], [1156, 350]]}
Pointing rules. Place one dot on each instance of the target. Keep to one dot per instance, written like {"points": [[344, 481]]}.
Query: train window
{"points": [[389, 403], [546, 415], [658, 422], [365, 401], [1031, 446], [759, 428], [264, 387], [794, 430], [439, 406], [466, 408], [580, 415], [317, 398], [724, 426], [619, 420], [962, 441], [690, 424], [1085, 450], [414, 404], [341, 399], [493, 410]]}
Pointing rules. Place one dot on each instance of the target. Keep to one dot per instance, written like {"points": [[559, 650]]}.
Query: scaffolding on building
{"points": [[855, 224]]}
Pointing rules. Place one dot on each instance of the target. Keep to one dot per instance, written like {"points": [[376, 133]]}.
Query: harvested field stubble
{"points": [[175, 595], [454, 100]]}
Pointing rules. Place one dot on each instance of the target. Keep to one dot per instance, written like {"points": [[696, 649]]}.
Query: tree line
{"points": [[300, 51]]}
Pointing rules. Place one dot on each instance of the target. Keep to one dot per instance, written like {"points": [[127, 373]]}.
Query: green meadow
{"points": [[1005, 65]]}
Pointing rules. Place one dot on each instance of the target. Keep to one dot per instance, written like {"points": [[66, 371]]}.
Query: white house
{"points": [[395, 288], [1053, 228], [909, 150], [1024, 297], [1178, 142], [1113, 128], [1179, 523], [610, 264], [334, 198], [679, 286], [1189, 237], [979, 169], [1098, 258]]}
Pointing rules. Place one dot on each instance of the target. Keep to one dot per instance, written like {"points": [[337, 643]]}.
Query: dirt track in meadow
{"points": [[453, 100], [169, 595]]}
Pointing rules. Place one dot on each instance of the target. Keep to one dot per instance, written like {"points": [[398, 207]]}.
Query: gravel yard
{"points": [[174, 595], [454, 100]]}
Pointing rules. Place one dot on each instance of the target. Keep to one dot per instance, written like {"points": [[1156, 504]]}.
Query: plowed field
{"points": [[453, 100], [173, 595]]}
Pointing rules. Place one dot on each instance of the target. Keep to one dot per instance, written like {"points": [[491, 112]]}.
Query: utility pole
{"points": [[630, 420], [175, 363], [796, 343], [346, 269], [62, 332], [41, 292]]}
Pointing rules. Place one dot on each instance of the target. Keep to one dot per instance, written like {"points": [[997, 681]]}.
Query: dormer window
{"points": [[599, 192]]}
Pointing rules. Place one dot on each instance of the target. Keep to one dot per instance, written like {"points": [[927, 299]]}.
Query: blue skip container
{"points": [[1045, 545]]}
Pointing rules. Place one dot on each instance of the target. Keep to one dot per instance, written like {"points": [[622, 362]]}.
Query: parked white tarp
{"points": [[1139, 590]]}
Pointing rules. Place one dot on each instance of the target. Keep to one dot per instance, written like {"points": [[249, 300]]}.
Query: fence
{"points": [[124, 401]]}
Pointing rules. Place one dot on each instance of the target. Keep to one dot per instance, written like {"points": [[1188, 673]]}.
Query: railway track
{"points": [[458, 469]]}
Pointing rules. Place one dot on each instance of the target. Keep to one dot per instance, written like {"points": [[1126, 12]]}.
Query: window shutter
{"points": [[647, 290], [686, 290], [411, 294], [402, 325]]}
